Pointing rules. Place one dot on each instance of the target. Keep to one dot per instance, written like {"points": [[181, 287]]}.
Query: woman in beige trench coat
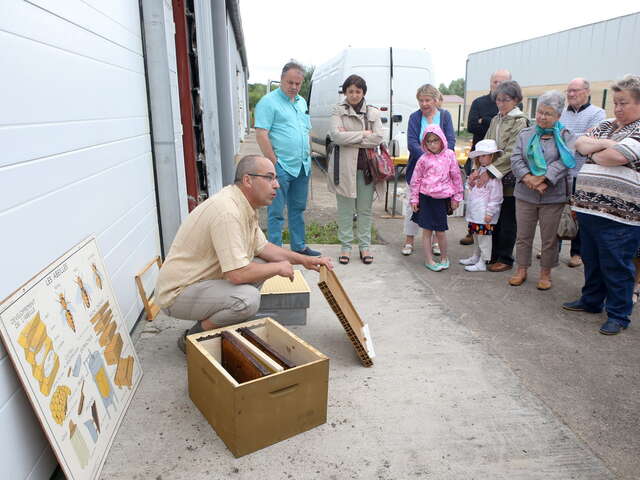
{"points": [[355, 126]]}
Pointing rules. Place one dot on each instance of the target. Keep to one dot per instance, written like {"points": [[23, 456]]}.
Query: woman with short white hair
{"points": [[541, 161]]}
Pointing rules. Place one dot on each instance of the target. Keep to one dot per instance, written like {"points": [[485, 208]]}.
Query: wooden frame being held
{"points": [[357, 330]]}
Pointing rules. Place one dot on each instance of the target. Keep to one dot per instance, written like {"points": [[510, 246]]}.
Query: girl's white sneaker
{"points": [[469, 261], [435, 249], [407, 249], [479, 266]]}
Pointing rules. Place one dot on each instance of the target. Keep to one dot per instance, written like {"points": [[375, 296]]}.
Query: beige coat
{"points": [[504, 129], [350, 140]]}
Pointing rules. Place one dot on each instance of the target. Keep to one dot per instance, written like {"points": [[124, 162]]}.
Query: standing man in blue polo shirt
{"points": [[282, 131]]}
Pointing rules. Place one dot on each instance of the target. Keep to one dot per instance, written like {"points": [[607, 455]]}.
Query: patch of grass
{"points": [[324, 234], [465, 135], [316, 233]]}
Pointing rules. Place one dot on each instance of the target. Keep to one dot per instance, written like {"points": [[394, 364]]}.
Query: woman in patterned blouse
{"points": [[608, 211]]}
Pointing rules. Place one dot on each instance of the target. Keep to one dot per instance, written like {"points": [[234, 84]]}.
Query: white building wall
{"points": [[599, 52], [76, 161]]}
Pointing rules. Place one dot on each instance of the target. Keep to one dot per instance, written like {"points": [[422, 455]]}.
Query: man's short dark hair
{"points": [[356, 81], [247, 164], [292, 65]]}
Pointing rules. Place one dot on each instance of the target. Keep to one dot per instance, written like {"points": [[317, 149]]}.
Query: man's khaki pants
{"points": [[219, 301]]}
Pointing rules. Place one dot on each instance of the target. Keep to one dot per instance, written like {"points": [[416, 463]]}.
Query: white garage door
{"points": [[76, 160]]}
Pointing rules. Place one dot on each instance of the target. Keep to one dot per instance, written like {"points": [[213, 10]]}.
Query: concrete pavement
{"points": [[473, 380], [590, 381], [437, 403]]}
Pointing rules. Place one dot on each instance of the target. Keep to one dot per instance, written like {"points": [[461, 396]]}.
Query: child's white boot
{"points": [[472, 260], [479, 266]]}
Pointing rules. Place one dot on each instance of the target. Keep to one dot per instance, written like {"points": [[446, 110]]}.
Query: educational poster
{"points": [[73, 353]]}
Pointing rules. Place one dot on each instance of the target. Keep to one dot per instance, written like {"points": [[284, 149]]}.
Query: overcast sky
{"points": [[313, 31]]}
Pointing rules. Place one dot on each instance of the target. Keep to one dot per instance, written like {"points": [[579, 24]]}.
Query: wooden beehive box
{"points": [[257, 413]]}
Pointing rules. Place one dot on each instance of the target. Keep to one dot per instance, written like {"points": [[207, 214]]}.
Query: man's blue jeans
{"points": [[293, 194], [607, 252]]}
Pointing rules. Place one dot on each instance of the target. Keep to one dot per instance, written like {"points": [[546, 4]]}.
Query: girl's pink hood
{"points": [[436, 175], [438, 131]]}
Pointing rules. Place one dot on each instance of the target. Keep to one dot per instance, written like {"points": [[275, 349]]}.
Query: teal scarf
{"points": [[535, 157]]}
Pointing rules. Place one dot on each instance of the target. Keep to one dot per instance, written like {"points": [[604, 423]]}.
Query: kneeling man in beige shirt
{"points": [[220, 257]]}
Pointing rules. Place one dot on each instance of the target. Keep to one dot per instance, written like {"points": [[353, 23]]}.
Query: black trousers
{"points": [[504, 234]]}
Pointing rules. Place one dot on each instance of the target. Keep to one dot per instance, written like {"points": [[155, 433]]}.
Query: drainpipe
{"points": [[223, 88]]}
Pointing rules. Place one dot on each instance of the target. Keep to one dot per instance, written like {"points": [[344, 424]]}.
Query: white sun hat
{"points": [[485, 147]]}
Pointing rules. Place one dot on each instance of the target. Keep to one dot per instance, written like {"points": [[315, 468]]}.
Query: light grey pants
{"points": [[528, 216], [219, 301], [362, 205], [410, 228], [483, 246]]}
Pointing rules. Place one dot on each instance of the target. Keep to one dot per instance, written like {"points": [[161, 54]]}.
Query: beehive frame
{"points": [[356, 329]]}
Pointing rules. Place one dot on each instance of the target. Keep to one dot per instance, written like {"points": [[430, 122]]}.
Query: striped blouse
{"points": [[612, 192]]}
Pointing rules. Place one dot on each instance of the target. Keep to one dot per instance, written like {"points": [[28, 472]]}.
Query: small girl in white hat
{"points": [[483, 205]]}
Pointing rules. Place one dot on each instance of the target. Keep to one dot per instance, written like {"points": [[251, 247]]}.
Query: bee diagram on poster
{"points": [[73, 354]]}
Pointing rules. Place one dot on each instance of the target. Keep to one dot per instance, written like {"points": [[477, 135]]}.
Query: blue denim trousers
{"points": [[607, 252], [292, 194]]}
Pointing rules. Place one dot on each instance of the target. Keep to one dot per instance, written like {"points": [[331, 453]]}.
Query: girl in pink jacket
{"points": [[436, 190]]}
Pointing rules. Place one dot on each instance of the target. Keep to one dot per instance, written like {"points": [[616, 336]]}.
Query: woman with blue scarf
{"points": [[541, 161]]}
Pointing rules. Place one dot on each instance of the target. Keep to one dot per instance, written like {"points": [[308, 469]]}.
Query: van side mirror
{"points": [[395, 147], [396, 118]]}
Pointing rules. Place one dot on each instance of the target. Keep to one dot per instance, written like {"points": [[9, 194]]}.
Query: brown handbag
{"points": [[380, 163]]}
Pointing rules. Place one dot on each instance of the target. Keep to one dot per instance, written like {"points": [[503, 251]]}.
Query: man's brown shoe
{"points": [[575, 261], [468, 240], [499, 267], [518, 279]]}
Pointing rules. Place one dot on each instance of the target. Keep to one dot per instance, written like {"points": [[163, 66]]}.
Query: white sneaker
{"points": [[407, 249], [469, 261], [435, 249], [479, 266]]}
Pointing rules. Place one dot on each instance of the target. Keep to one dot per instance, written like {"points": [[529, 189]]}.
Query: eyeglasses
{"points": [[574, 90], [269, 176], [546, 114]]}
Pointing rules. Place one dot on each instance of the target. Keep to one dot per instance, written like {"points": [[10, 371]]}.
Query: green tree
{"points": [[456, 87], [256, 92], [306, 83], [443, 89]]}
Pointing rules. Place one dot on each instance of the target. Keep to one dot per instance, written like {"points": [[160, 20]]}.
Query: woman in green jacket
{"points": [[504, 129]]}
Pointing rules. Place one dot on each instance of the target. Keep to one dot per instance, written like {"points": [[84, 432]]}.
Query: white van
{"points": [[393, 76]]}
